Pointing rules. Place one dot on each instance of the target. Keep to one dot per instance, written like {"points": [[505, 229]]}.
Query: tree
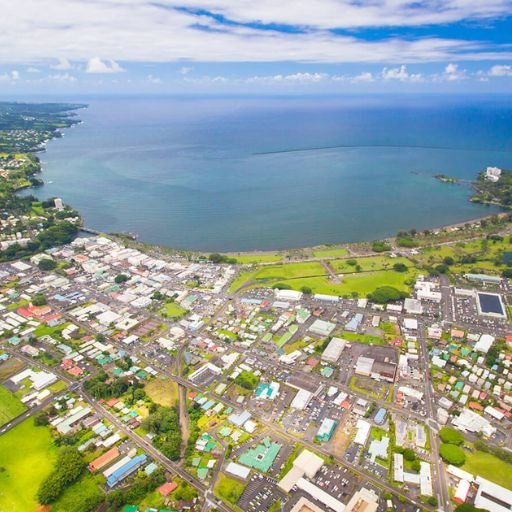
{"points": [[47, 264], [507, 273], [306, 290], [442, 268], [451, 436], [121, 278], [409, 454], [247, 380], [448, 260], [39, 300], [379, 246], [452, 454], [41, 419], [400, 267], [385, 294]]}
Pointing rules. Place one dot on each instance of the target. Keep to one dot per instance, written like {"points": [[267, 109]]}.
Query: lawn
{"points": [[330, 252], [173, 310], [368, 387], [228, 488], [367, 339], [10, 406], [267, 257], [488, 466], [368, 264], [27, 455], [77, 494], [162, 391], [276, 273]]}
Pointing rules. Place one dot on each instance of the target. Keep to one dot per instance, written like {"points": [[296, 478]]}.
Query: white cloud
{"points": [[33, 70], [96, 65], [144, 31], [500, 70], [154, 80], [62, 77], [401, 74], [185, 70], [12, 76], [62, 64], [452, 73], [364, 77]]}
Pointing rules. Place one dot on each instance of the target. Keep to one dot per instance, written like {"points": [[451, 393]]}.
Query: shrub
{"points": [[46, 264]]}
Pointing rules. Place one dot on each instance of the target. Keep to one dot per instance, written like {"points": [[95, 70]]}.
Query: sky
{"points": [[255, 46]]}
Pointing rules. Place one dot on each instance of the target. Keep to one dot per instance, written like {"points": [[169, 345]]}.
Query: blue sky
{"points": [[249, 46]]}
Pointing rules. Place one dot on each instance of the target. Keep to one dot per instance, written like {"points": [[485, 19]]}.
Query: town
{"points": [[372, 376]]}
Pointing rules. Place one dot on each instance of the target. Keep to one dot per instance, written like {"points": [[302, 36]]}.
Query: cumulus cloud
{"points": [[500, 70], [33, 70], [12, 76], [185, 70], [62, 64], [96, 65], [364, 77], [452, 73], [401, 74]]}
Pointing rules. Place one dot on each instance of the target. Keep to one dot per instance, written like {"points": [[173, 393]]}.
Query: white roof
{"points": [[320, 495], [484, 343], [238, 470]]}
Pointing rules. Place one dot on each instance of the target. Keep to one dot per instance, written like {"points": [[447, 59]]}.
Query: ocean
{"points": [[238, 174]]}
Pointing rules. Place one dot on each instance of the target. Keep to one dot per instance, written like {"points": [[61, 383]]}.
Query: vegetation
{"points": [[47, 264], [121, 278], [386, 294], [489, 466], [81, 496], [247, 380], [221, 258], [452, 454], [136, 493], [162, 392], [165, 424], [68, 469], [229, 489], [451, 436], [379, 246], [39, 300], [10, 406], [490, 192], [27, 455]]}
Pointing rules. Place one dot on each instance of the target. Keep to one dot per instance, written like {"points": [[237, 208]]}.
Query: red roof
{"points": [[104, 459], [167, 488], [76, 371]]}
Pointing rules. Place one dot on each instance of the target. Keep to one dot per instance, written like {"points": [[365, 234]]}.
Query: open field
{"points": [[10, 367], [27, 455], [267, 257], [228, 488], [10, 406], [367, 339], [77, 494], [368, 264], [172, 310], [490, 467], [162, 391]]}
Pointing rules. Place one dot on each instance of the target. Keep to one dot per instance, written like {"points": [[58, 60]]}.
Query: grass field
{"points": [[27, 455], [368, 264], [10, 406], [490, 467], [173, 310], [267, 257], [162, 391], [77, 494], [367, 339], [228, 488]]}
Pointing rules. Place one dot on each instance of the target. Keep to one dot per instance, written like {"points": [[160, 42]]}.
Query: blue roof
{"points": [[379, 417], [125, 470]]}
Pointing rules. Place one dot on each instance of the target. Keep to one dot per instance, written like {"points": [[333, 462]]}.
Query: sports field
{"points": [[490, 467]]}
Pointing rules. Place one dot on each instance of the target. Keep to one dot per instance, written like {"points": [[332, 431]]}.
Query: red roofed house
{"points": [[167, 488], [104, 459]]}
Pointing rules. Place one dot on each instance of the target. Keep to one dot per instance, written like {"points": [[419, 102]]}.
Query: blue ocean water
{"points": [[233, 174]]}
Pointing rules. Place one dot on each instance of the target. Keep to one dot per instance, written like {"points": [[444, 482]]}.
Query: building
{"points": [[306, 464], [484, 343], [469, 421], [304, 505], [413, 306], [493, 174], [492, 497], [322, 328], [333, 351], [104, 459], [326, 430], [354, 323], [363, 500], [490, 304], [461, 491], [483, 278], [288, 295]]}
